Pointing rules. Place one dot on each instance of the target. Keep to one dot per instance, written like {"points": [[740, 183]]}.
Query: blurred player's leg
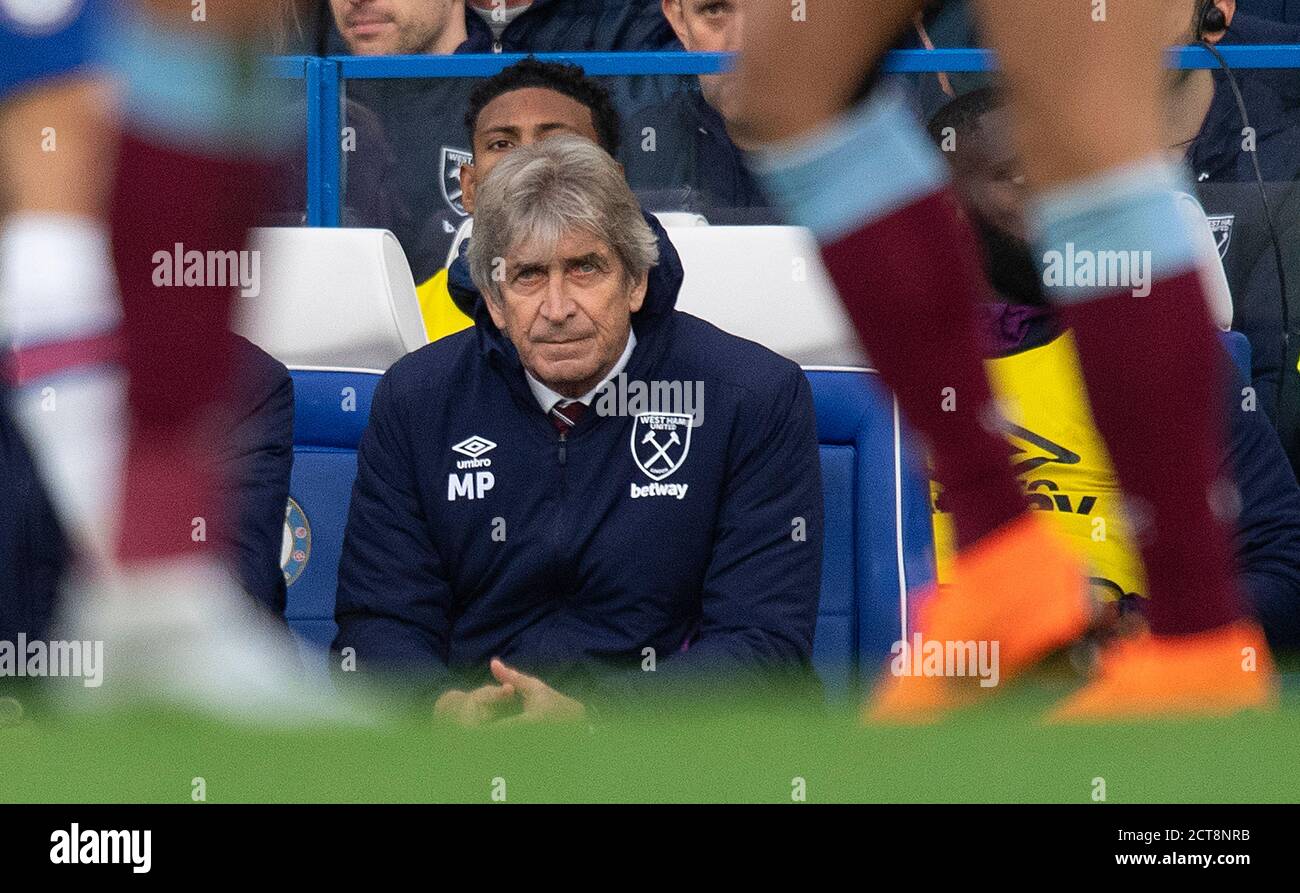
{"points": [[58, 305], [201, 130], [864, 177], [1086, 96]]}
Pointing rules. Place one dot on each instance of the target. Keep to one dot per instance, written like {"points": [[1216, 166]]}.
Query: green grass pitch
{"points": [[997, 752]]}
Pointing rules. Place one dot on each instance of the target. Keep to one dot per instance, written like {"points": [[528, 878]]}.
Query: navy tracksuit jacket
{"points": [[550, 554]]}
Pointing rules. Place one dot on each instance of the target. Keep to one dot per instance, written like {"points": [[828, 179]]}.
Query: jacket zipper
{"points": [[557, 541]]}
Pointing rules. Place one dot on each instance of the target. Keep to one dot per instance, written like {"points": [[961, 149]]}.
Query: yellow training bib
{"points": [[440, 314], [1063, 463]]}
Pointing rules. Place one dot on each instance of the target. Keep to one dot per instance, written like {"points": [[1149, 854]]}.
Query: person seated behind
{"points": [[494, 26], [418, 118], [524, 103], [1059, 453], [549, 26], [680, 147], [421, 117], [1205, 128], [257, 453], [508, 503]]}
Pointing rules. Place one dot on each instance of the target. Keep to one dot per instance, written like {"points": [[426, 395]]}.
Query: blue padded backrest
{"points": [[877, 511], [1239, 349], [331, 409], [869, 478]]}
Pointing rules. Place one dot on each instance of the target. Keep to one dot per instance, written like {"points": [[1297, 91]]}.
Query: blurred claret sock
{"points": [[1217, 672], [183, 635], [1155, 374], [876, 194], [201, 135], [1022, 587]]}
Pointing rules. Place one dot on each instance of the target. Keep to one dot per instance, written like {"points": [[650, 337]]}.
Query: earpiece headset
{"points": [[1209, 20]]}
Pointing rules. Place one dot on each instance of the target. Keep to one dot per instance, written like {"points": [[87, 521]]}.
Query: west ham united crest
{"points": [[1221, 226], [295, 548], [660, 442], [452, 159]]}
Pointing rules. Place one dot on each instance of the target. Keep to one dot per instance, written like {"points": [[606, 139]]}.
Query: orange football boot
{"points": [[1215, 673], [1022, 586]]}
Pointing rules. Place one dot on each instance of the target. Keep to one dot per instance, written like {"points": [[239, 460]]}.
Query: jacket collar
{"points": [[480, 34]]}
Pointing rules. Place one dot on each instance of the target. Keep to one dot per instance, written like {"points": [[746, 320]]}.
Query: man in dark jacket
{"points": [[682, 145], [521, 104], [258, 453], [1207, 125], [516, 500], [33, 549]]}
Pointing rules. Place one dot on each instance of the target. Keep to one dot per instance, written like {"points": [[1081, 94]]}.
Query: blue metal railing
{"points": [[324, 141], [480, 65], [324, 80]]}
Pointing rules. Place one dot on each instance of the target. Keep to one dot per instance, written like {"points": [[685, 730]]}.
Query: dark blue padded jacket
{"points": [[475, 531]]}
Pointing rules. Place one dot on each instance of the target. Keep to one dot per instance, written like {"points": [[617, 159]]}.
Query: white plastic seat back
{"points": [[767, 284], [332, 297]]}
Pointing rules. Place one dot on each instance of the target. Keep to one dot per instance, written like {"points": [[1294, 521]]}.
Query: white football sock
{"points": [[57, 292]]}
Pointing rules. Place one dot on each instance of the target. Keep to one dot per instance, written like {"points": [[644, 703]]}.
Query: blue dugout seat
{"points": [[338, 307], [878, 535], [1238, 349], [331, 408]]}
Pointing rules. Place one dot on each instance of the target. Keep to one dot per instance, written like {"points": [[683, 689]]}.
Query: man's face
{"points": [[990, 182], [520, 118], [568, 311], [392, 27], [989, 174], [710, 26]]}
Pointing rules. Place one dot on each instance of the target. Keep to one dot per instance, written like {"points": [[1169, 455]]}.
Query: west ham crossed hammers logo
{"points": [[660, 442]]}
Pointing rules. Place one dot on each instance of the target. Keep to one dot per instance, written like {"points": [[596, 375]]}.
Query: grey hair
{"points": [[539, 193]]}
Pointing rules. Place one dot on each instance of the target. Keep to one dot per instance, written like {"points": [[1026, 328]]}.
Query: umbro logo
{"points": [[474, 446], [471, 485]]}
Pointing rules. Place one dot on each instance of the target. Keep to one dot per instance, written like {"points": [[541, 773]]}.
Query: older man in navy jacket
{"points": [[527, 536]]}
